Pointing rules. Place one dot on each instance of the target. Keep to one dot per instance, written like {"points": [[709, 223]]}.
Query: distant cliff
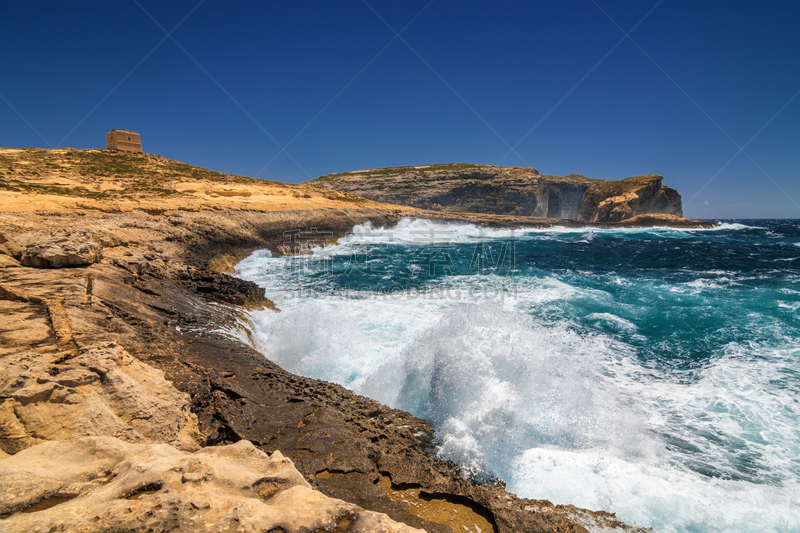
{"points": [[615, 201], [460, 187]]}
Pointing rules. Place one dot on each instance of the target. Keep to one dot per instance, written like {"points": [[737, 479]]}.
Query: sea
{"points": [[650, 372]]}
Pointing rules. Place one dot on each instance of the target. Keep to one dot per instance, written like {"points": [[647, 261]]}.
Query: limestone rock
{"points": [[459, 187], [62, 251], [101, 391], [98, 484], [621, 200], [8, 261], [8, 247]]}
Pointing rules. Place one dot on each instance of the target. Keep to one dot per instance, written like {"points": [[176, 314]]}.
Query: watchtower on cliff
{"points": [[126, 140]]}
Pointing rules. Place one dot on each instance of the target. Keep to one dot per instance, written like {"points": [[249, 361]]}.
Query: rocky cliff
{"points": [[131, 400], [459, 188], [615, 201]]}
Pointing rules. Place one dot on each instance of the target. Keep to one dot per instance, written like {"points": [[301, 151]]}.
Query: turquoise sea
{"points": [[651, 372]]}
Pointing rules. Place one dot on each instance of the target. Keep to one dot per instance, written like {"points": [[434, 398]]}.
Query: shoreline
{"points": [[126, 258], [160, 303]]}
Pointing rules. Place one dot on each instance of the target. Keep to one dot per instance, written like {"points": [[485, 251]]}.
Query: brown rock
{"points": [[60, 252], [39, 392], [101, 391], [13, 435], [7, 261], [661, 219], [621, 200], [8, 247]]}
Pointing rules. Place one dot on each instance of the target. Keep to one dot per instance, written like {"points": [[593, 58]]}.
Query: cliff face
{"points": [[464, 188], [615, 201], [459, 188]]}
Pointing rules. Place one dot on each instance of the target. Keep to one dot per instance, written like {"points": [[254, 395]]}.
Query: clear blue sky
{"points": [[557, 81]]}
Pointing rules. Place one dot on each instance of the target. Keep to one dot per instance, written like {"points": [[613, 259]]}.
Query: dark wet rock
{"points": [[223, 287]]}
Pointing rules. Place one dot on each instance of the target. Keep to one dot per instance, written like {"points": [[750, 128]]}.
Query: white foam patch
{"points": [[425, 232], [736, 425], [663, 496], [614, 322], [339, 339], [710, 284], [725, 226]]}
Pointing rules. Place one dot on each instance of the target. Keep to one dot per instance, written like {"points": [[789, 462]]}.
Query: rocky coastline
{"points": [[130, 398]]}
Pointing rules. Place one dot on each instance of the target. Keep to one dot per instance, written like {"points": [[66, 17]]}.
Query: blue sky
{"points": [[290, 91]]}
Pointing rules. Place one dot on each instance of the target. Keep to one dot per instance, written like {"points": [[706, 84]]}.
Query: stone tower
{"points": [[126, 140]]}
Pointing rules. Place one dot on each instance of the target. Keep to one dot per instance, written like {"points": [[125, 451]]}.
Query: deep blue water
{"points": [[651, 372]]}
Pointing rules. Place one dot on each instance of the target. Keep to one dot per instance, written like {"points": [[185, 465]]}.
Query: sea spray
{"points": [[496, 382]]}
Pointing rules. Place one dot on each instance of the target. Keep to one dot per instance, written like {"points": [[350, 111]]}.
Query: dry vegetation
{"points": [[66, 179], [435, 172], [620, 187]]}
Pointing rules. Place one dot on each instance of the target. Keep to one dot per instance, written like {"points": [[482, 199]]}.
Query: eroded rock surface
{"points": [[9, 247], [460, 187], [622, 200], [100, 484], [102, 390], [59, 251]]}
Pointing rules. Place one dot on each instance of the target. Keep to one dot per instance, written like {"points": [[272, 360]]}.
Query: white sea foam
{"points": [[613, 321], [749, 483], [339, 339], [711, 284], [423, 232], [722, 226], [664, 496]]}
